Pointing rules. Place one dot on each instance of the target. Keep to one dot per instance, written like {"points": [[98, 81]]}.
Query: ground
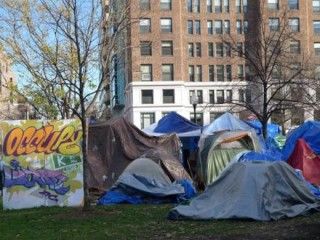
{"points": [[144, 222]]}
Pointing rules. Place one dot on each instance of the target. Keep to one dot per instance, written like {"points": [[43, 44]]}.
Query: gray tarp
{"points": [[255, 190], [145, 176]]}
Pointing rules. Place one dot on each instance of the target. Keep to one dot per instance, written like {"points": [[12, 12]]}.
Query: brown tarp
{"points": [[114, 144]]}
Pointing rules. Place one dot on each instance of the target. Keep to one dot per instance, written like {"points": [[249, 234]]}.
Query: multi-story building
{"points": [[173, 50]]}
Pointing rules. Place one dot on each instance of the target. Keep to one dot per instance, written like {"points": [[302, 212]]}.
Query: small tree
{"points": [[275, 66], [57, 45]]}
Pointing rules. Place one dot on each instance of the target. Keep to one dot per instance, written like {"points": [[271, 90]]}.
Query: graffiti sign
{"points": [[42, 163]]}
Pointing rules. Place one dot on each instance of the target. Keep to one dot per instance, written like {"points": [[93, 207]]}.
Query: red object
{"points": [[307, 161]]}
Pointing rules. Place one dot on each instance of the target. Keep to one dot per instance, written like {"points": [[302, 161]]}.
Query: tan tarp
{"points": [[114, 144]]}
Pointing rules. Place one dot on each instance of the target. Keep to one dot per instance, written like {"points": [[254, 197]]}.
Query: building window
{"points": [[240, 72], [295, 47], [294, 24], [245, 26], [210, 50], [245, 6], [210, 27], [167, 72], [189, 5], [167, 48], [190, 26], [199, 96], [145, 48], [218, 26], [239, 27], [293, 4], [228, 73], [209, 6], [220, 96], [316, 5], [146, 119], [211, 96], [240, 49], [219, 49], [238, 6], [199, 117], [211, 73], [145, 25], [198, 49], [214, 115], [316, 27], [191, 73], [144, 5], [166, 25], [274, 24], [146, 72], [217, 6], [197, 27], [196, 6], [273, 4], [198, 74], [242, 95], [165, 5], [168, 96], [227, 49], [147, 96], [226, 6], [317, 49], [220, 73], [229, 96], [227, 27], [190, 49]]}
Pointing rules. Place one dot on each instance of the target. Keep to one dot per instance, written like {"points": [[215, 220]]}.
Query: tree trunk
{"points": [[86, 205], [265, 129]]}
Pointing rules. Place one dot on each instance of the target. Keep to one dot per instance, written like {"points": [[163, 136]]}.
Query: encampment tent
{"points": [[144, 181], [113, 145], [254, 190], [187, 131], [219, 149]]}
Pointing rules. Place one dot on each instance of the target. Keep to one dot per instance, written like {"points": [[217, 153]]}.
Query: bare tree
{"points": [[276, 69], [57, 45]]}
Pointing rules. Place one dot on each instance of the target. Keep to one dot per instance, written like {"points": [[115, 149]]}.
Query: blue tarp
{"points": [[310, 132], [174, 122], [272, 129]]}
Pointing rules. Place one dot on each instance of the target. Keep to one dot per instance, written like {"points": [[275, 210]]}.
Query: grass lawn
{"points": [[143, 222]]}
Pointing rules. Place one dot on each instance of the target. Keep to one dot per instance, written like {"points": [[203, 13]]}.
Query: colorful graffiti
{"points": [[42, 163], [18, 176]]}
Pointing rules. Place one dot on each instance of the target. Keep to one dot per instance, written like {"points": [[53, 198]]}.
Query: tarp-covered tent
{"points": [[310, 132], [261, 191], [226, 122], [307, 161], [113, 145], [219, 149], [272, 129], [187, 131], [144, 181]]}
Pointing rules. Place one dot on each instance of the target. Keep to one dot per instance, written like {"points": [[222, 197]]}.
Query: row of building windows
{"points": [[215, 96], [218, 73], [220, 26], [217, 49], [219, 6]]}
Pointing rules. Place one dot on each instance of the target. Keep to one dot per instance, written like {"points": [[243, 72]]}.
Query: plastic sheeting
{"points": [[144, 181], [272, 129], [113, 145], [303, 158], [260, 191], [310, 132], [226, 122]]}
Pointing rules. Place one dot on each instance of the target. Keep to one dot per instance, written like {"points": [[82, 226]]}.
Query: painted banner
{"points": [[42, 163]]}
